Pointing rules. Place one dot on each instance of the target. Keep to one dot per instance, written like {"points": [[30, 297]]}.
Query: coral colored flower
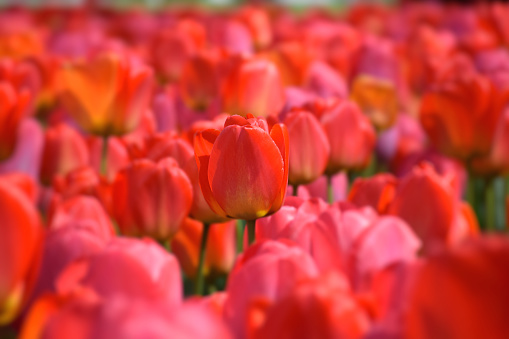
{"points": [[462, 293], [351, 137], [13, 107], [460, 115], [323, 307], [377, 192], [151, 199], [243, 169], [19, 248], [253, 87], [64, 150], [221, 247], [309, 148], [107, 94]]}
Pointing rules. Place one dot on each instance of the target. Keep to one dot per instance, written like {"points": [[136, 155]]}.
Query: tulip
{"points": [[64, 151], [309, 148], [243, 169], [351, 137], [460, 115], [266, 272], [19, 246], [151, 199], [461, 293], [317, 308], [106, 95], [253, 87], [13, 107], [376, 192]]}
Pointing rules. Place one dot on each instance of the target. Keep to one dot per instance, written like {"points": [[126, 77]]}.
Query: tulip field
{"points": [[254, 172]]}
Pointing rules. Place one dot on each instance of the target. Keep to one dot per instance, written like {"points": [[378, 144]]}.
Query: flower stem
{"points": [[240, 235], [330, 191], [104, 157], [489, 200], [251, 230], [203, 248], [295, 189]]}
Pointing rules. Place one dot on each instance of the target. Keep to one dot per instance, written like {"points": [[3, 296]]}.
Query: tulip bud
{"points": [[309, 148], [351, 137], [243, 169], [151, 199], [106, 95]]}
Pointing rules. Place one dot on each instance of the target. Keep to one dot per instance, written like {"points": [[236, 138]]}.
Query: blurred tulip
{"points": [[151, 199], [460, 115], [266, 272], [322, 307], [24, 183], [64, 151], [19, 245], [351, 137], [309, 148], [461, 293], [221, 247], [106, 95], [376, 192], [134, 268], [243, 169], [325, 81], [13, 107], [378, 100], [253, 87], [258, 22], [116, 153]]}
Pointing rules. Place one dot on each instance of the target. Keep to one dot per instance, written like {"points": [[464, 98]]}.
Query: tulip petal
{"points": [[279, 134]]}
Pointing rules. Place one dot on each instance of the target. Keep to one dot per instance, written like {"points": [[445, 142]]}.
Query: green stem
{"points": [[203, 248], [240, 235], [295, 189], [104, 157], [489, 200], [330, 191], [251, 230]]}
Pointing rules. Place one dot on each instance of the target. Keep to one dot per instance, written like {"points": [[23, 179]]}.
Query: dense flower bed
{"points": [[254, 173]]}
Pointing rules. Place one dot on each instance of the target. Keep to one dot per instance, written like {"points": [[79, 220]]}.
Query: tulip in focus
{"points": [[151, 199], [243, 169], [309, 148], [106, 95], [13, 107], [254, 86]]}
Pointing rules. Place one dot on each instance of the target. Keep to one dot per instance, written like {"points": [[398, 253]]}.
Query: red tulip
{"points": [[13, 107], [462, 293], [351, 137], [243, 169], [253, 87], [151, 199], [19, 248], [377, 192], [460, 115], [64, 151], [309, 148], [318, 308], [106, 95]]}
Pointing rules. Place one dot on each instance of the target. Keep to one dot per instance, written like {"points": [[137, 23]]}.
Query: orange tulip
{"points": [[243, 169], [309, 148], [377, 192], [351, 137], [460, 115], [19, 248], [378, 100], [106, 95], [151, 199], [253, 87], [220, 254], [12, 110]]}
